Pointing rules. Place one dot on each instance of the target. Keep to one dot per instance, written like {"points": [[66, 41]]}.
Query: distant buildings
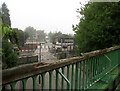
{"points": [[64, 41]]}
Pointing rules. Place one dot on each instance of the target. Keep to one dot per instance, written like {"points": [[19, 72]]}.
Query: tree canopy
{"points": [[52, 36], [99, 26], [21, 35], [41, 35], [9, 57], [6, 15], [31, 31]]}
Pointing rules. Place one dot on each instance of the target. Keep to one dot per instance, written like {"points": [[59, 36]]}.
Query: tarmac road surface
{"points": [[46, 56]]}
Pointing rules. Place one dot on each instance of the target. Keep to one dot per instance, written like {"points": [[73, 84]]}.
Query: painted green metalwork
{"points": [[34, 82], [50, 80], [97, 67], [68, 72], [24, 83], [91, 74], [80, 75], [88, 71], [83, 80], [101, 64], [13, 86], [118, 53], [76, 76], [63, 68], [93, 69], [0, 88], [43, 81], [109, 61], [57, 79], [63, 76], [72, 75]]}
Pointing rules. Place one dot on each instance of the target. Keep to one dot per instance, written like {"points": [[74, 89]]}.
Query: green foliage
{"points": [[5, 26], [32, 34], [52, 36], [0, 42], [21, 35], [1, 31], [9, 57], [5, 16], [0, 17], [41, 35], [31, 31], [99, 26], [9, 34]]}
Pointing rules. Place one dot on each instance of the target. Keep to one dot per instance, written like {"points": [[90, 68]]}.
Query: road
{"points": [[46, 56]]}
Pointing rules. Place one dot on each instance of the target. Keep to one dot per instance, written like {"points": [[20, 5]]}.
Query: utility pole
{"points": [[40, 58], [40, 53]]}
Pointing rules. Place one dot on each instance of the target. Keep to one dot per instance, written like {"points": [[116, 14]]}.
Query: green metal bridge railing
{"points": [[73, 73]]}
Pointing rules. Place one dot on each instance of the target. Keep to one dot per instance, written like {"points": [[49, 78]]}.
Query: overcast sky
{"points": [[48, 15]]}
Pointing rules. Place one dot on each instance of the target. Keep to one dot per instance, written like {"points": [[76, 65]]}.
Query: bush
{"points": [[9, 57], [11, 60]]}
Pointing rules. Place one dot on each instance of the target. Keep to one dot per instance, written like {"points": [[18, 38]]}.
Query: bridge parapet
{"points": [[72, 73]]}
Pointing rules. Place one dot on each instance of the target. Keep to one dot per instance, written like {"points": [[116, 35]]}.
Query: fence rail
{"points": [[73, 73]]}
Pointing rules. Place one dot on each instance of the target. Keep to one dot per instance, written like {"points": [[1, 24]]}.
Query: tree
{"points": [[1, 26], [98, 27], [0, 41], [52, 36], [0, 16], [6, 16], [22, 35], [7, 32], [41, 35], [9, 58], [31, 32]]}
